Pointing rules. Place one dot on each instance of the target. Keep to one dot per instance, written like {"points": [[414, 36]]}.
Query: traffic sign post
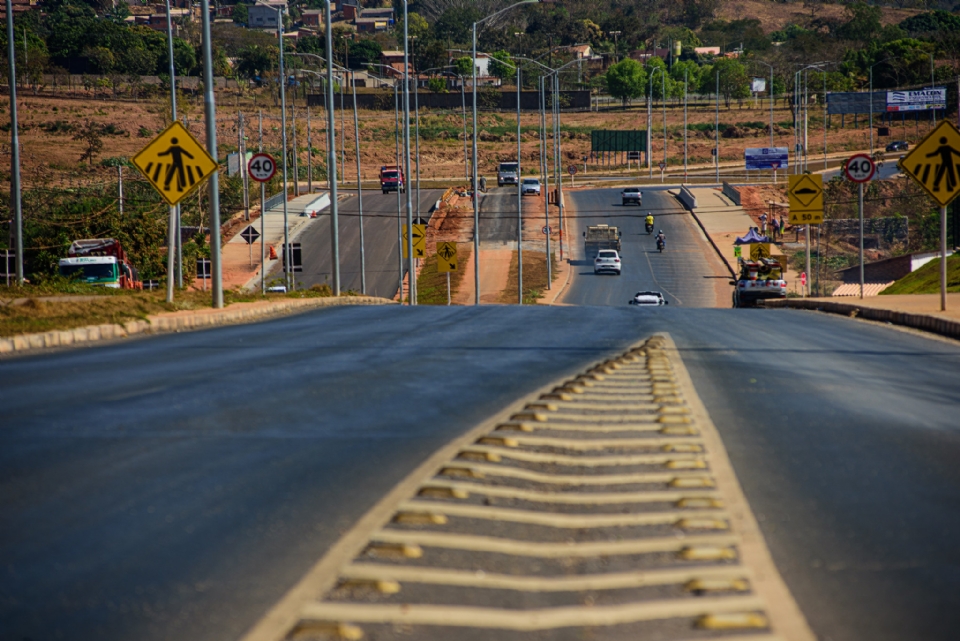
{"points": [[663, 167], [805, 193], [419, 241], [860, 169], [447, 262], [250, 234], [175, 164], [933, 164], [262, 168], [545, 230]]}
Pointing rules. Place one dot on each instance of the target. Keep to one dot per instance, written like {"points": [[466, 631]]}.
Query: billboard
{"points": [[759, 85], [618, 140], [851, 102], [920, 100], [766, 158]]}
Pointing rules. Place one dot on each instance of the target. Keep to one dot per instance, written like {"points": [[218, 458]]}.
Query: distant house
{"points": [[349, 9], [707, 51], [312, 17], [374, 20], [393, 60], [263, 15], [579, 52]]}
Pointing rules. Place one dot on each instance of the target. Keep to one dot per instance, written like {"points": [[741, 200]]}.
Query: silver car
{"points": [[530, 186], [607, 260]]}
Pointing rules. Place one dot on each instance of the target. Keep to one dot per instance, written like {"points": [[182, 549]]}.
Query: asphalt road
{"points": [[177, 486], [380, 242], [498, 214], [686, 272]]}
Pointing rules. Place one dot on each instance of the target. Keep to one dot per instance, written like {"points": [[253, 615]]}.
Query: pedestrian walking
{"points": [[483, 184], [776, 228], [763, 224]]}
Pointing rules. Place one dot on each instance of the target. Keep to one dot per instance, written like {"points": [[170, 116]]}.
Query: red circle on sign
{"points": [[572, 169], [859, 168], [262, 167]]}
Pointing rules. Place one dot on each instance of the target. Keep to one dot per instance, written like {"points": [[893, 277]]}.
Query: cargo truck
{"points": [[392, 179], [101, 262], [599, 237], [508, 173]]}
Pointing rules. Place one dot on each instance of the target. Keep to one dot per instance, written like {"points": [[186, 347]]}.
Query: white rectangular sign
{"points": [[920, 100], [759, 85], [759, 158]]}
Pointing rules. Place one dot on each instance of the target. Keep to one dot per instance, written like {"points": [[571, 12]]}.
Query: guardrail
{"points": [[731, 192], [273, 201], [687, 199]]}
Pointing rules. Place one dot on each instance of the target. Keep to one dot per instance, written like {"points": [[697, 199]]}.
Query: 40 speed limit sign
{"points": [[262, 167], [860, 168]]}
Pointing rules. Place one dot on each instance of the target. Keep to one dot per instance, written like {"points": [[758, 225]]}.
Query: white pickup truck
{"points": [[759, 280]]}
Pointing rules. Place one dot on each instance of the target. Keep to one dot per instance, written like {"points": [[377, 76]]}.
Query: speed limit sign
{"points": [[262, 167], [860, 168]]}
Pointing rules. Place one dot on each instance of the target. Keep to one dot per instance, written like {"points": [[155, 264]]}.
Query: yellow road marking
{"points": [[558, 520], [598, 443], [528, 620], [577, 479], [583, 461], [573, 498], [574, 583], [540, 549]]}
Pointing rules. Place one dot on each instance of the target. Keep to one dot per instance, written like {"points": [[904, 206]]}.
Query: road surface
{"points": [[380, 241], [686, 272], [177, 486]]}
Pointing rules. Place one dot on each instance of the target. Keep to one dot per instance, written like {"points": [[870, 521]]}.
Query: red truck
{"points": [[100, 261], [391, 178]]}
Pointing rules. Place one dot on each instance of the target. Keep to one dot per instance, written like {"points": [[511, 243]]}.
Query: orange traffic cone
{"points": [[273, 253]]}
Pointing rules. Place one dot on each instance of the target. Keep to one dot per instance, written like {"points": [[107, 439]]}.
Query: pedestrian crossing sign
{"points": [[175, 163], [446, 257], [935, 163]]}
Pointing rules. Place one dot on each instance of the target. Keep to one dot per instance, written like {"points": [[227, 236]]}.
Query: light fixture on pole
{"points": [[475, 186]]}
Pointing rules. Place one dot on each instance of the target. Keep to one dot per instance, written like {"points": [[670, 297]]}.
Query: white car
{"points": [[607, 260], [632, 195], [649, 299], [530, 186]]}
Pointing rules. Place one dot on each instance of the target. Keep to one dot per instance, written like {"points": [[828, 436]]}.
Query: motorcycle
{"points": [[661, 245], [649, 227]]}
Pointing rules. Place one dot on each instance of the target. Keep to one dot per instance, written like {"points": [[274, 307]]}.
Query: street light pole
{"points": [[178, 268], [685, 125], [520, 202], [716, 130], [287, 253], [412, 273], [210, 115], [332, 162]]}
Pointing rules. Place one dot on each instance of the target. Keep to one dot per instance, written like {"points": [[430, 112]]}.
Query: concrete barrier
{"points": [[177, 322], [686, 198], [731, 192], [943, 326]]}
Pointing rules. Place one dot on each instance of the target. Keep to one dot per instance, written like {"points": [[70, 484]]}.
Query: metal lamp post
{"points": [[650, 121], [476, 199]]}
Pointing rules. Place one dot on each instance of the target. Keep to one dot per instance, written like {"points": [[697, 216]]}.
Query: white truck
{"points": [[508, 173], [759, 280]]}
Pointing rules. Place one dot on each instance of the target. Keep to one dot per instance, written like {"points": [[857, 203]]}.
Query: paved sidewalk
{"points": [[237, 268]]}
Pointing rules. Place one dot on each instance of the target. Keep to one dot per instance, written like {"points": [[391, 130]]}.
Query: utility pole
{"points": [[520, 201], [332, 166], [15, 202], [242, 162], [178, 268], [309, 155], [716, 129], [211, 120], [287, 250], [356, 136], [406, 150]]}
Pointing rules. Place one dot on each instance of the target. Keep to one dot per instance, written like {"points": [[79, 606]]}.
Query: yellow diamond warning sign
{"points": [[446, 257], [175, 163], [419, 241], [805, 193], [935, 163]]}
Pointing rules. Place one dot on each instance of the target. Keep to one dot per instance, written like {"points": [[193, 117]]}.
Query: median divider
{"points": [[177, 322], [925, 322], [686, 198]]}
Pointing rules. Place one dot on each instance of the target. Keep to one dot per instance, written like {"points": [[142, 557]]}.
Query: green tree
{"points": [[626, 80], [437, 85], [659, 84], [419, 27], [863, 24], [693, 72], [463, 66], [241, 13], [455, 24], [501, 65], [363, 52], [734, 83], [91, 135], [255, 60]]}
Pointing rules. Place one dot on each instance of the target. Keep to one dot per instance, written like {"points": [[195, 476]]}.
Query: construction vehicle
{"points": [[599, 237], [759, 280], [101, 262], [392, 179]]}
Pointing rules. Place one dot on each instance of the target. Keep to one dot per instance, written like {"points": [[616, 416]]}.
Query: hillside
{"points": [[926, 280], [775, 16]]}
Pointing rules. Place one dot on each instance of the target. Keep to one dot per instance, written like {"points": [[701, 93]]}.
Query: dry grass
{"points": [[432, 285], [35, 313], [534, 277]]}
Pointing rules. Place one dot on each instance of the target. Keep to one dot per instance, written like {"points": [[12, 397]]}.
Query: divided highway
{"points": [[176, 487], [380, 242], [687, 272]]}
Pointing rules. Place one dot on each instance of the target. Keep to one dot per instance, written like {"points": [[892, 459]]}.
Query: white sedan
{"points": [[530, 186], [607, 260], [649, 299]]}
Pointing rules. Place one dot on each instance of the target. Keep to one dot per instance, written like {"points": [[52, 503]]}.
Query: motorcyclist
{"points": [[661, 239], [649, 219]]}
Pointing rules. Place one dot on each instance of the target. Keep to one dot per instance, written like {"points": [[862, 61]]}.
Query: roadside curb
{"points": [[924, 322], [706, 233], [173, 322]]}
